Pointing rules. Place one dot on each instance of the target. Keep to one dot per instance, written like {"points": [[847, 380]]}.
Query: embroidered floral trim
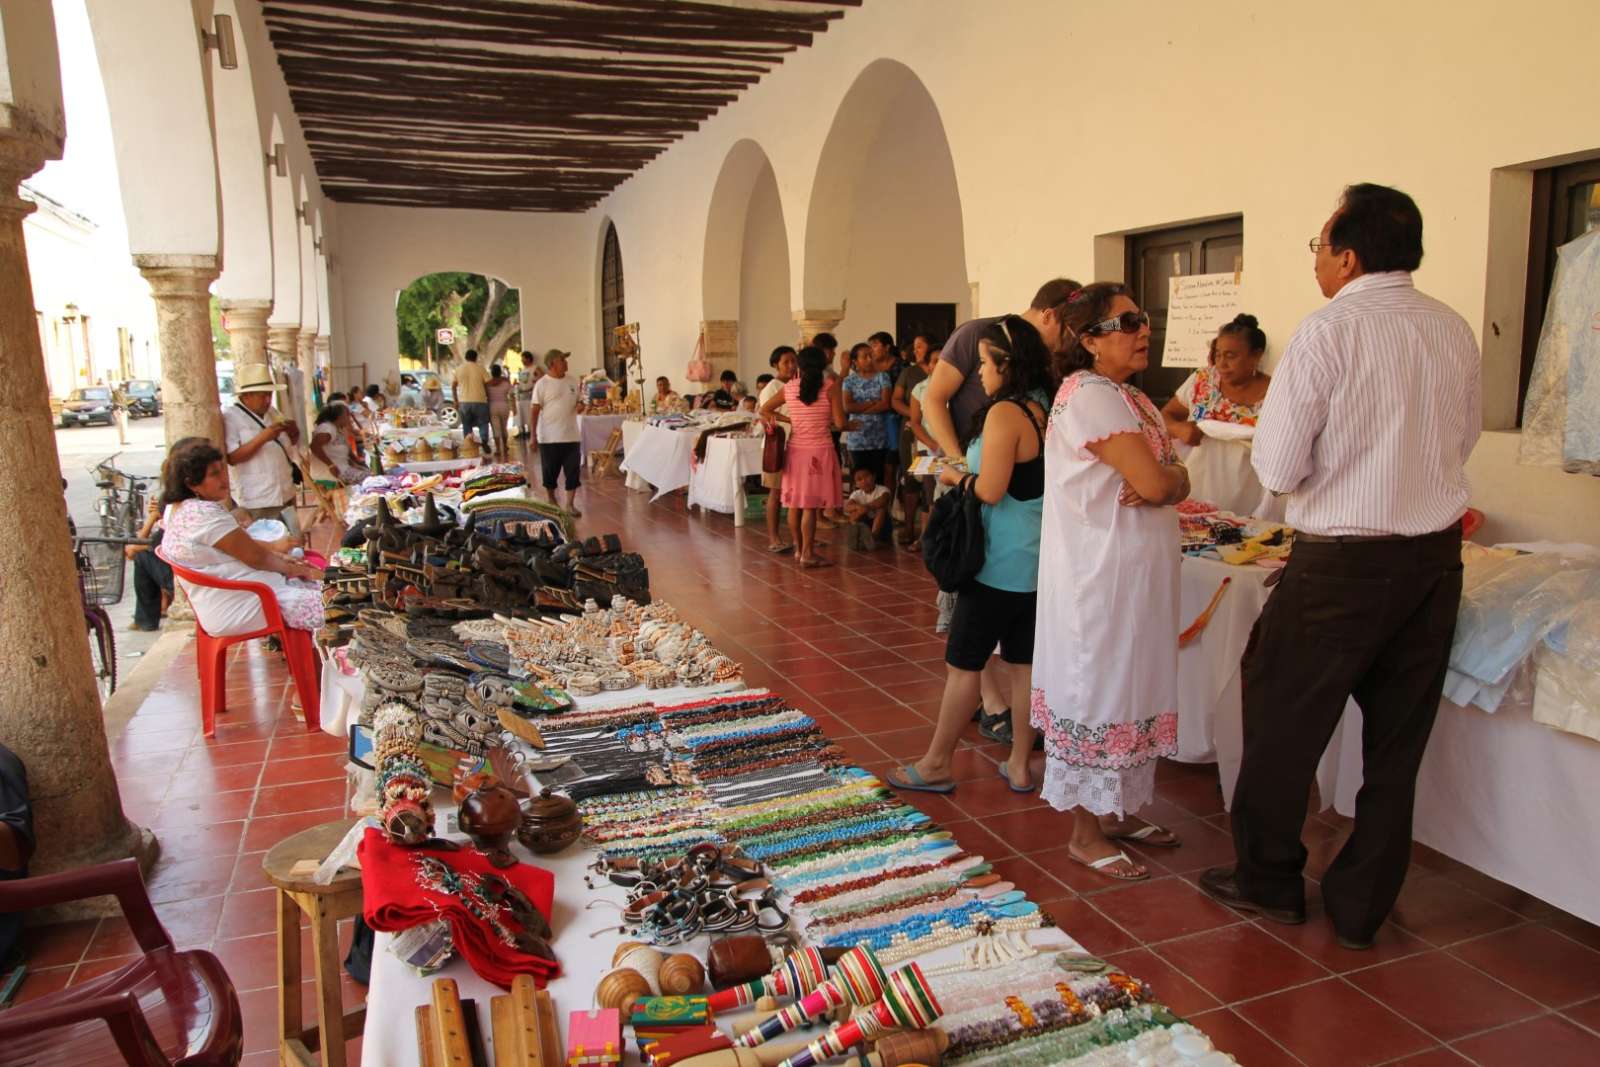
{"points": [[1111, 745], [1139, 405], [1211, 403]]}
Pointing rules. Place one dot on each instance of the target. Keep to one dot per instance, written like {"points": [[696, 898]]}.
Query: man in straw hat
{"points": [[261, 477]]}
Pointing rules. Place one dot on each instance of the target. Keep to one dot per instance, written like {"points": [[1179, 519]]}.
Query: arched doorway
{"points": [[613, 308], [479, 311], [746, 264], [884, 232]]}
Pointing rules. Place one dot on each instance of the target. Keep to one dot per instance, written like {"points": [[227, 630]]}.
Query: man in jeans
{"points": [[471, 392], [1372, 414], [260, 477]]}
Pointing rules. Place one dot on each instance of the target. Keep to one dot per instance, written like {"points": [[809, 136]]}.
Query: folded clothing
{"points": [[486, 908]]}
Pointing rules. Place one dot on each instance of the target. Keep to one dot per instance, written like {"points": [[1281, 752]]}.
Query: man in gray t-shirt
{"points": [[955, 392]]}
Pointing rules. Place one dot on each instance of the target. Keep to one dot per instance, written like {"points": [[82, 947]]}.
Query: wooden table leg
{"points": [[290, 1024], [330, 996]]}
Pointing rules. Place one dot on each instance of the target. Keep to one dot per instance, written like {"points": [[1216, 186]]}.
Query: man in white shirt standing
{"points": [[527, 377], [260, 477], [554, 418], [1373, 411]]}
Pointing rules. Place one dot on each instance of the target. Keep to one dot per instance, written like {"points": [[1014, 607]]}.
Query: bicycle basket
{"points": [[102, 569]]}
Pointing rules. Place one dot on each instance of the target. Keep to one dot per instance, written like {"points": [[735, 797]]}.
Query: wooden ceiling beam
{"points": [[661, 43], [499, 85], [354, 50], [661, 19]]}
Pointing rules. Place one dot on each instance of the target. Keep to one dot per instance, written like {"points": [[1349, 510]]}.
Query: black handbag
{"points": [[952, 543]]}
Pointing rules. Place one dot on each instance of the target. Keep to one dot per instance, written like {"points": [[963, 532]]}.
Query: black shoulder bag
{"points": [[952, 543], [294, 468]]}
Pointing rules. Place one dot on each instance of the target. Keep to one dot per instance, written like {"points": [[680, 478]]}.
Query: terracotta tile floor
{"points": [[1470, 970]]}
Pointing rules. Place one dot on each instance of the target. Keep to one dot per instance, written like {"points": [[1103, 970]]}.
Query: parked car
{"points": [[142, 397], [90, 404], [447, 410]]}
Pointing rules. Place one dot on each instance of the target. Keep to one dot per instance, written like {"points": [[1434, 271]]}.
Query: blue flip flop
{"points": [[908, 777], [1005, 772]]}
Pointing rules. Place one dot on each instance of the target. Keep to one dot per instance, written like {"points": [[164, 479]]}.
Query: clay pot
{"points": [[551, 824], [490, 814]]}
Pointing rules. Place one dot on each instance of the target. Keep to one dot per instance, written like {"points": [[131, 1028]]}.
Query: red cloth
{"points": [[394, 899]]}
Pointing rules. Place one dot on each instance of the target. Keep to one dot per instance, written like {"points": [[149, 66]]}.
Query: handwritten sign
{"points": [[445, 336], [1196, 306]]}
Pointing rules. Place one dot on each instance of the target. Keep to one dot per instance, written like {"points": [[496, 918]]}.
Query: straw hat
{"points": [[254, 378]]}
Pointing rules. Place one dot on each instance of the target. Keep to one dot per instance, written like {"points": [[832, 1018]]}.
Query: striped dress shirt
{"points": [[1372, 413]]}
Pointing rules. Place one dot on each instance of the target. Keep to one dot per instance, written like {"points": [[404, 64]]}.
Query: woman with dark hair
{"points": [[784, 360], [867, 398], [1218, 406], [203, 535], [331, 464], [997, 607], [811, 463], [1105, 682]]}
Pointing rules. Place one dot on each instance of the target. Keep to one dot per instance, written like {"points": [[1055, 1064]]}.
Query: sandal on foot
{"points": [[1146, 835], [1103, 866], [996, 727], [779, 550], [1005, 772], [908, 777]]}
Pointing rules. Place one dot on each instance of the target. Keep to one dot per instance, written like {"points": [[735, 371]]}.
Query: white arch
{"points": [[242, 173], [886, 98], [745, 275], [285, 243], [160, 124]]}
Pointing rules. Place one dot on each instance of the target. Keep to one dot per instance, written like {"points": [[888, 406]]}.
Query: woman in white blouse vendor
{"points": [[203, 535], [1227, 397]]}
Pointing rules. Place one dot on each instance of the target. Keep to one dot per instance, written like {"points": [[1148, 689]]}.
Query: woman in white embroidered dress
{"points": [[1104, 675], [203, 535]]}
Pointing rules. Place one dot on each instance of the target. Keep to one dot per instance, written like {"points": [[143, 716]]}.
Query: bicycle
{"points": [[121, 506], [101, 576]]}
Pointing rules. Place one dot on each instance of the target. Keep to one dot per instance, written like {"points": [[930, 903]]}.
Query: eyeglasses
{"points": [[1127, 322], [1317, 244]]}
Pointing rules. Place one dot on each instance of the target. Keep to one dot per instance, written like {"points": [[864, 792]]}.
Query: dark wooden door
{"points": [[1154, 259], [935, 321]]}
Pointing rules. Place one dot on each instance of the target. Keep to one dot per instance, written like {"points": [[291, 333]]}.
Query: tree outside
{"points": [[219, 337], [484, 313]]}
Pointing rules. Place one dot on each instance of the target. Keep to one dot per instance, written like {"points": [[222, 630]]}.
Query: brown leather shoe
{"points": [[1222, 885]]}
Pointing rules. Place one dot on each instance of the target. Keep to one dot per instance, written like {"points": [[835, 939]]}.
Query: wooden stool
{"points": [[289, 866]]}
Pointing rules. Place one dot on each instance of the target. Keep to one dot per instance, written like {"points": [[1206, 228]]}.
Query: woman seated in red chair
{"points": [[203, 535]]}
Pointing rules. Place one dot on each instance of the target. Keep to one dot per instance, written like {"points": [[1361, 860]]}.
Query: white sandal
{"points": [[1140, 836], [1102, 864]]}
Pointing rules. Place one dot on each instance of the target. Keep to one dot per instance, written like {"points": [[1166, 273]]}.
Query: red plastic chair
{"points": [[304, 665], [166, 1009]]}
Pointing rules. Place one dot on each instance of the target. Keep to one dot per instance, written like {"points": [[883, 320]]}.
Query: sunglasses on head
{"points": [[1127, 322]]}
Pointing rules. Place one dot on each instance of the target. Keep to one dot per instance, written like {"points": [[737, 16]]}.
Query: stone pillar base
{"points": [[139, 842], [814, 321]]}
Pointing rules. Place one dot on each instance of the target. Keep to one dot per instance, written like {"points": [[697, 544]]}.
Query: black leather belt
{"points": [[1365, 539]]}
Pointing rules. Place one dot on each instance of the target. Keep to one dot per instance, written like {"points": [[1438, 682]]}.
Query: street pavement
{"points": [[80, 448]]}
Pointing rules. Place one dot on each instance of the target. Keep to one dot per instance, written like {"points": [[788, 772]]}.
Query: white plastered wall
{"points": [[1066, 123], [550, 259], [242, 175], [765, 319]]}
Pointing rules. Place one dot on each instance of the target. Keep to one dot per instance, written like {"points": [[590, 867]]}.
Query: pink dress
{"points": [[811, 464]]}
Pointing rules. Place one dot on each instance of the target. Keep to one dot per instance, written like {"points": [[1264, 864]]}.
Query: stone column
{"points": [[246, 322], [812, 322], [283, 339], [181, 285], [49, 708], [306, 353]]}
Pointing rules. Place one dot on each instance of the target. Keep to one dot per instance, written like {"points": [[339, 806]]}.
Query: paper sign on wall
{"points": [[1197, 305]]}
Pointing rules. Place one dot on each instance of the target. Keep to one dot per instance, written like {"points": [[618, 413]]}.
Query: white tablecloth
{"points": [[718, 483], [1498, 792], [660, 456], [631, 432], [594, 431]]}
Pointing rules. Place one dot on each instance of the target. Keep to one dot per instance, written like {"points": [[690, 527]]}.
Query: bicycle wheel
{"points": [[102, 652]]}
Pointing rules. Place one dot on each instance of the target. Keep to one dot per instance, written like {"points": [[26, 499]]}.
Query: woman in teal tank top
{"points": [[997, 607]]}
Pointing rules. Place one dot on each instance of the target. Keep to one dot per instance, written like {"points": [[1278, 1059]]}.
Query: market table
{"points": [[1498, 792], [660, 456], [580, 943], [717, 484], [632, 430], [594, 431]]}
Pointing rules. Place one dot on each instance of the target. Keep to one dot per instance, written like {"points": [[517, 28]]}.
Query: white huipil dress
{"points": [[1106, 641]]}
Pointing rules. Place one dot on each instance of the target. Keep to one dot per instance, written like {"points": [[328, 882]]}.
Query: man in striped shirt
{"points": [[1373, 411]]}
